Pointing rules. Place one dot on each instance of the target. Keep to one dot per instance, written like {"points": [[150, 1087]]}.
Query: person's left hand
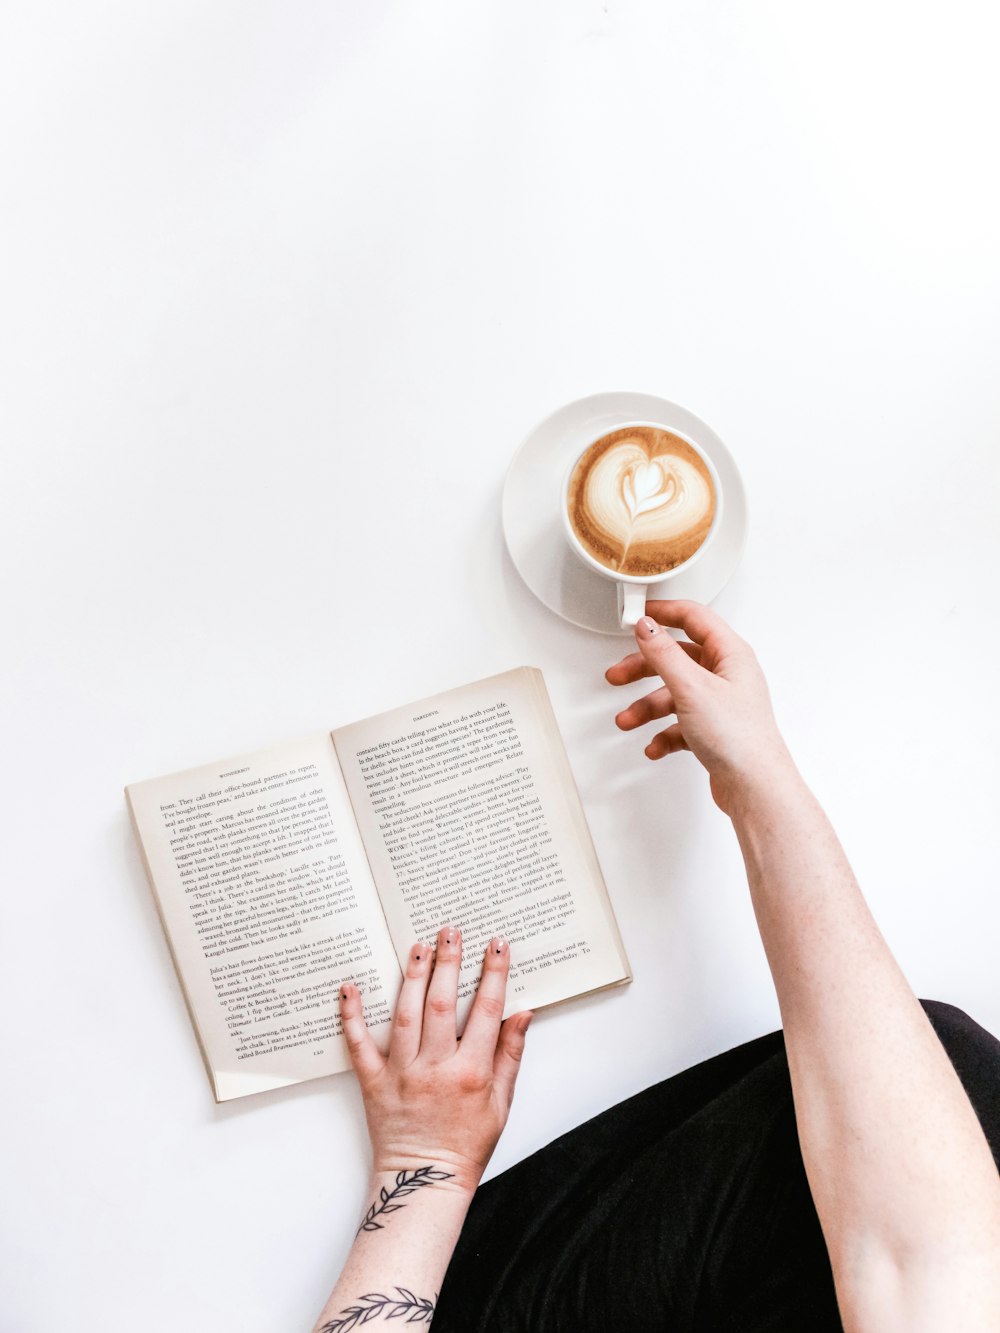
{"points": [[436, 1100]]}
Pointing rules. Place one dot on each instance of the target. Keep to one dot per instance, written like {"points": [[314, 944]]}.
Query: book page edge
{"points": [[150, 879]]}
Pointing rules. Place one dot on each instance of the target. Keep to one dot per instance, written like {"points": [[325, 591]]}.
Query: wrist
{"points": [[772, 784], [405, 1177], [415, 1205]]}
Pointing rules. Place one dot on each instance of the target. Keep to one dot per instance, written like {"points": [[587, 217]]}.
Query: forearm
{"points": [[900, 1171], [402, 1250], [898, 1165]]}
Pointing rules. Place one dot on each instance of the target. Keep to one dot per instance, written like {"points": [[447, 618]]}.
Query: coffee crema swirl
{"points": [[641, 500]]}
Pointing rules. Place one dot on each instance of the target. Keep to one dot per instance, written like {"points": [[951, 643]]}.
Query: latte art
{"points": [[641, 500]]}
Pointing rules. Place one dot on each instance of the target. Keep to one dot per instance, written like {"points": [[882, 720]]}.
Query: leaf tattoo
{"points": [[406, 1183], [416, 1309]]}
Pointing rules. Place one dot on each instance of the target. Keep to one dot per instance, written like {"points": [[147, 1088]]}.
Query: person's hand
{"points": [[436, 1100], [716, 689]]}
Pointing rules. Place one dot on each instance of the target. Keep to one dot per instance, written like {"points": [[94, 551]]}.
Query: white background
{"points": [[283, 287]]}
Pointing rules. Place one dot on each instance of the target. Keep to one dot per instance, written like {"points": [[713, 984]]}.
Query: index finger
{"points": [[696, 620], [482, 1028]]}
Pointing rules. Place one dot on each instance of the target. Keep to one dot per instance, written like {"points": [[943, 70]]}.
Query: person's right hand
{"points": [[716, 689]]}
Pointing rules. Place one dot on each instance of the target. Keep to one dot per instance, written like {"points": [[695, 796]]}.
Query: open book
{"points": [[281, 874]]}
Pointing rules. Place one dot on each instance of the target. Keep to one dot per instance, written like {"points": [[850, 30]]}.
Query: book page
{"points": [[268, 903], [470, 817]]}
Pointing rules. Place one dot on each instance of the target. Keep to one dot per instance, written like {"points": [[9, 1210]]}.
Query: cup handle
{"points": [[631, 603]]}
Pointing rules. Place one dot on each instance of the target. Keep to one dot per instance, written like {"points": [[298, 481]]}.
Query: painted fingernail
{"points": [[498, 944], [449, 934], [647, 626]]}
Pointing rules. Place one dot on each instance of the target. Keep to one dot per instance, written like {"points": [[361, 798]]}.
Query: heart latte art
{"points": [[641, 501]]}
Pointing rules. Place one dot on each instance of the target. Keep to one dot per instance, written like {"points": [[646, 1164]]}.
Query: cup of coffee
{"points": [[640, 505]]}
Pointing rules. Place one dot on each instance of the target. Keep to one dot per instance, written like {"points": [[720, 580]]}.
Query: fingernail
{"points": [[647, 626], [449, 934], [499, 944]]}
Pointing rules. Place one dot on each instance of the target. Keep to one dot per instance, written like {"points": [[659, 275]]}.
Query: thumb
{"points": [[510, 1048], [664, 654]]}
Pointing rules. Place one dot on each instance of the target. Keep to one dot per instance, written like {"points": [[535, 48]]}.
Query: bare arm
{"points": [[435, 1107], [902, 1177]]}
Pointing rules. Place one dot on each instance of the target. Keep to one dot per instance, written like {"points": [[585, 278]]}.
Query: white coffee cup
{"points": [[633, 588]]}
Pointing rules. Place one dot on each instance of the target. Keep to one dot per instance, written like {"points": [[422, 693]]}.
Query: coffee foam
{"points": [[641, 500]]}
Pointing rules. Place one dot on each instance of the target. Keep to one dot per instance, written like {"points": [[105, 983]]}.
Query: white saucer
{"points": [[532, 498]]}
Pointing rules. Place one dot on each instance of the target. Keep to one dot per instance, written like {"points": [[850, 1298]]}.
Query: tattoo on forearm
{"points": [[406, 1183], [412, 1309]]}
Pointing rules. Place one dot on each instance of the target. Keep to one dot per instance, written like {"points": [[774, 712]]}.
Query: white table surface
{"points": [[283, 287]]}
